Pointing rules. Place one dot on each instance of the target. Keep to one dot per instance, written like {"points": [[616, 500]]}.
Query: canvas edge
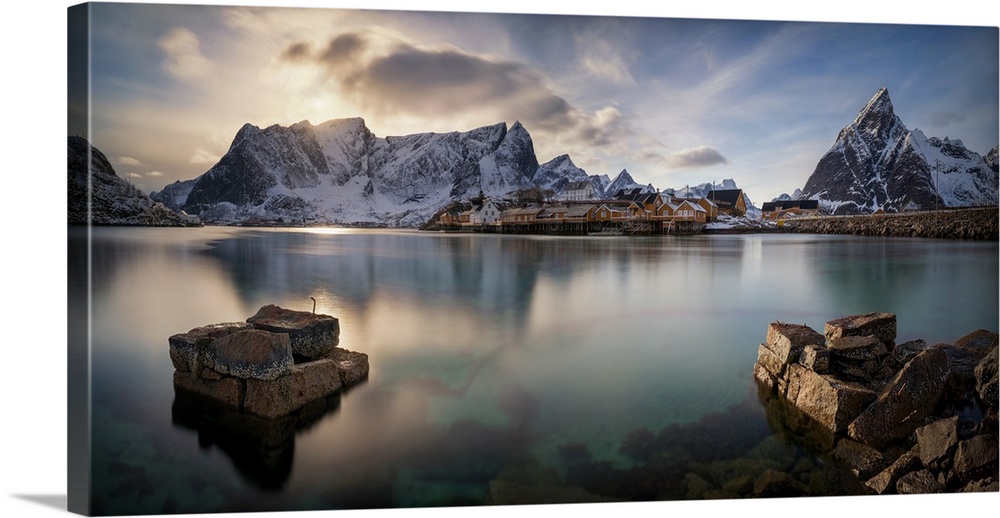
{"points": [[79, 456]]}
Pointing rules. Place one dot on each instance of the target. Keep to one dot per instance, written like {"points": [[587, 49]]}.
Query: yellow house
{"points": [[606, 213]]}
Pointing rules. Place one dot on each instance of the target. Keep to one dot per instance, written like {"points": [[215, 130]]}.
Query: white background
{"points": [[33, 349]]}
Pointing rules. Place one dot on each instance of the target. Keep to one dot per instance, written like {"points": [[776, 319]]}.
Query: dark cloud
{"points": [[343, 49], [402, 78], [297, 52], [701, 156]]}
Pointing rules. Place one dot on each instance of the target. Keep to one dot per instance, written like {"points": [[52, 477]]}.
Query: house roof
{"points": [[725, 197], [577, 211], [692, 204], [773, 206], [578, 186]]}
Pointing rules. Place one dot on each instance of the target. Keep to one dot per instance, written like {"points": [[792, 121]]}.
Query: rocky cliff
{"points": [[98, 196]]}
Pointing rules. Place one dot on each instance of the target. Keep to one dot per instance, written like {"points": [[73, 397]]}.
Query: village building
{"points": [[608, 213], [578, 191], [730, 201], [775, 210], [485, 212], [581, 214]]}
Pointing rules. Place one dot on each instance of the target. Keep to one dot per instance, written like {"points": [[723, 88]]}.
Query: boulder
{"points": [[830, 402], [965, 355], [904, 352], [936, 440], [980, 340], [788, 340], [186, 348], [770, 362], [864, 461], [307, 382], [311, 335], [765, 378], [880, 325], [885, 481], [918, 482], [976, 458], [250, 353], [815, 358], [352, 366], [904, 404], [857, 348], [986, 379]]}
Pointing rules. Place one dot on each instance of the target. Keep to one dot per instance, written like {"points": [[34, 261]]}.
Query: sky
{"points": [[675, 99]]}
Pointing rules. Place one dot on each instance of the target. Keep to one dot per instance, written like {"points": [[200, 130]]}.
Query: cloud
{"points": [[129, 161], [184, 59], [154, 174], [701, 156], [201, 156], [396, 78], [605, 60]]}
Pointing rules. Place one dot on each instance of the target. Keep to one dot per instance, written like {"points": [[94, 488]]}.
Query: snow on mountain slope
{"points": [[558, 172], [624, 181], [339, 172], [877, 163]]}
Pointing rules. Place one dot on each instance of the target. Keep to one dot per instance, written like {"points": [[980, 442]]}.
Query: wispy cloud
{"points": [[129, 161], [183, 55]]}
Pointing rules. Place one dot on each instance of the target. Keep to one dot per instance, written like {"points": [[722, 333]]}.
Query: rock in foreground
{"points": [[898, 417], [252, 366]]}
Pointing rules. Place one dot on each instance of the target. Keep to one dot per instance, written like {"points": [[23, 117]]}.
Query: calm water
{"points": [[539, 361]]}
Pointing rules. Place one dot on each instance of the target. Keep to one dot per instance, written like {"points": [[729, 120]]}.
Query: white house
{"points": [[578, 191], [486, 213]]}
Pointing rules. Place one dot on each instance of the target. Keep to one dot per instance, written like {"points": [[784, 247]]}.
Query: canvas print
{"points": [[345, 259]]}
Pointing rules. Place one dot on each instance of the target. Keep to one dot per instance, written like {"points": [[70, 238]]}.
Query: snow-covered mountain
{"points": [[340, 172], [876, 162], [624, 181], [702, 190], [112, 200], [796, 194], [558, 172]]}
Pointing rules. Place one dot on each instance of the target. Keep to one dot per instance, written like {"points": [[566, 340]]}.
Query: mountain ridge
{"points": [[98, 196], [339, 172], [876, 163]]}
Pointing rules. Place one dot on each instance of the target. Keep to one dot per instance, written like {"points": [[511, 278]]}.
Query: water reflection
{"points": [[607, 367], [262, 450]]}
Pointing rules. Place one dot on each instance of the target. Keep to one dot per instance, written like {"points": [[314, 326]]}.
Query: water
{"points": [[598, 366]]}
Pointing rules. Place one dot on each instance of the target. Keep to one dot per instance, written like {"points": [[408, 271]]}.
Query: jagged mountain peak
{"points": [[877, 163], [879, 106], [623, 176]]}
